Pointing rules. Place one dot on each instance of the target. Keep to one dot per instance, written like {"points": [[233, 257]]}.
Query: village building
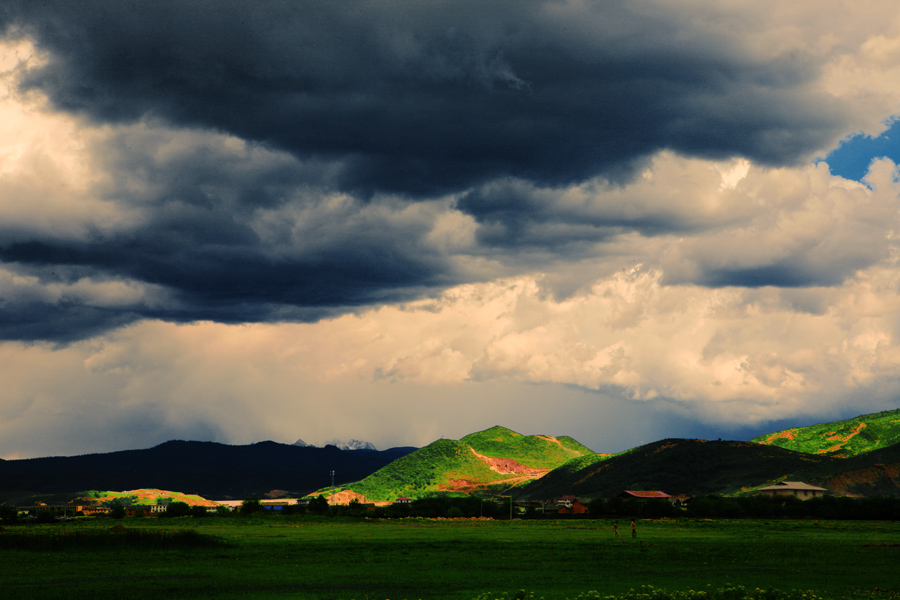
{"points": [[681, 499], [277, 504], [57, 510], [571, 505], [797, 489], [95, 510], [645, 495], [565, 501]]}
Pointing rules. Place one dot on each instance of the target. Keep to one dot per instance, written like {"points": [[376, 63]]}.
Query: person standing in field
{"points": [[633, 529], [616, 529]]}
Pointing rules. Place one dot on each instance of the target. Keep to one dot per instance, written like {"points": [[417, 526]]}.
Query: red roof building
{"points": [[645, 495], [576, 507]]}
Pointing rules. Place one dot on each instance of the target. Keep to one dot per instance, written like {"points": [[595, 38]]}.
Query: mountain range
{"points": [[351, 445], [209, 469], [859, 456]]}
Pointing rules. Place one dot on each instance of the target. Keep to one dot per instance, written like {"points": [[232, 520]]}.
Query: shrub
{"points": [[251, 506], [318, 505], [45, 516], [178, 509], [8, 514]]}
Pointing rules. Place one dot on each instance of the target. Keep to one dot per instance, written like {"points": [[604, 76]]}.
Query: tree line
{"points": [[753, 507], [449, 506]]}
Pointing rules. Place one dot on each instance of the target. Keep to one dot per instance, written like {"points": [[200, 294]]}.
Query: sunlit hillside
{"points": [[495, 459], [540, 451], [846, 438], [146, 497]]}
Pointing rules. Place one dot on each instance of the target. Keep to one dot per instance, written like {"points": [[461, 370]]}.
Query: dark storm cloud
{"points": [[59, 322], [228, 276], [785, 274], [211, 282], [514, 213], [806, 268], [223, 231], [425, 98], [267, 155]]}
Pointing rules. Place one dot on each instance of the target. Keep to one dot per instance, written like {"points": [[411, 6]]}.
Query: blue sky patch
{"points": [[851, 159]]}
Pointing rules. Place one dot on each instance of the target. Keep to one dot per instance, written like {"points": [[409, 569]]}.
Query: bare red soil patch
{"points": [[844, 438], [507, 466], [788, 434]]}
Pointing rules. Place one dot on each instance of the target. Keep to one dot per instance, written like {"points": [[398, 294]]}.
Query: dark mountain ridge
{"points": [[857, 456], [698, 467], [209, 469]]}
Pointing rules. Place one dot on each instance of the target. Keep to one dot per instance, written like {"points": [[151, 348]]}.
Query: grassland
{"points": [[850, 437], [308, 559]]}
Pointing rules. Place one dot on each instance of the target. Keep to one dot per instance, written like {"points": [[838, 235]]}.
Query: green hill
{"points": [[846, 438], [494, 459], [538, 451], [427, 469], [149, 496]]}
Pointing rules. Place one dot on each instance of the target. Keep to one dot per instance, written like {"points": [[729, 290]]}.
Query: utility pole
{"points": [[332, 487], [510, 506]]}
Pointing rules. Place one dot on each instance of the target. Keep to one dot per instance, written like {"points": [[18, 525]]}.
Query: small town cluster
{"points": [[566, 504]]}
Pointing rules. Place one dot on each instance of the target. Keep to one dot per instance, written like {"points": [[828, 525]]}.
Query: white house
{"points": [[798, 489]]}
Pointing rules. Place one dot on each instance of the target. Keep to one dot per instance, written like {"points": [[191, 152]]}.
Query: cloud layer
{"points": [[426, 99], [620, 197]]}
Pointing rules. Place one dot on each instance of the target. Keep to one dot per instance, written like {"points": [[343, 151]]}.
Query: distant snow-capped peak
{"points": [[351, 445]]}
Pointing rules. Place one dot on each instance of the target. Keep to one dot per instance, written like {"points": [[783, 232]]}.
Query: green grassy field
{"points": [[303, 558]]}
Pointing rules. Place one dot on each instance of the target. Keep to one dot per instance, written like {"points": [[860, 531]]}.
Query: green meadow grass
{"points": [[304, 558]]}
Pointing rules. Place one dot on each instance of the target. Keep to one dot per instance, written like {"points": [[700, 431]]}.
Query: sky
{"points": [[397, 221]]}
